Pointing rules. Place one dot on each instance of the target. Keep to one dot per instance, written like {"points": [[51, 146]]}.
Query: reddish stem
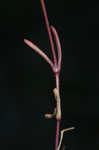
{"points": [[57, 120], [49, 31], [57, 66]]}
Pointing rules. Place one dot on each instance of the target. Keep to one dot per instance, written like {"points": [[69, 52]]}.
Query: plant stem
{"points": [[57, 66], [49, 31], [57, 133], [57, 120]]}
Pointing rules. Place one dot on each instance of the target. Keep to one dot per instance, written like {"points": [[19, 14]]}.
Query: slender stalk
{"points": [[57, 120], [57, 134], [56, 67], [61, 136], [49, 31]]}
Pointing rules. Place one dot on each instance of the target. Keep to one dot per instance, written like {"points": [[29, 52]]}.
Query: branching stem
{"points": [[55, 65]]}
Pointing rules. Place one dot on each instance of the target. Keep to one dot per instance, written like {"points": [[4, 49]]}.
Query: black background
{"points": [[26, 81]]}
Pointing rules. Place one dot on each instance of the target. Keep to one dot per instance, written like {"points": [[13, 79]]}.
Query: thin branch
{"points": [[49, 31], [62, 133], [58, 46], [58, 121], [40, 52]]}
